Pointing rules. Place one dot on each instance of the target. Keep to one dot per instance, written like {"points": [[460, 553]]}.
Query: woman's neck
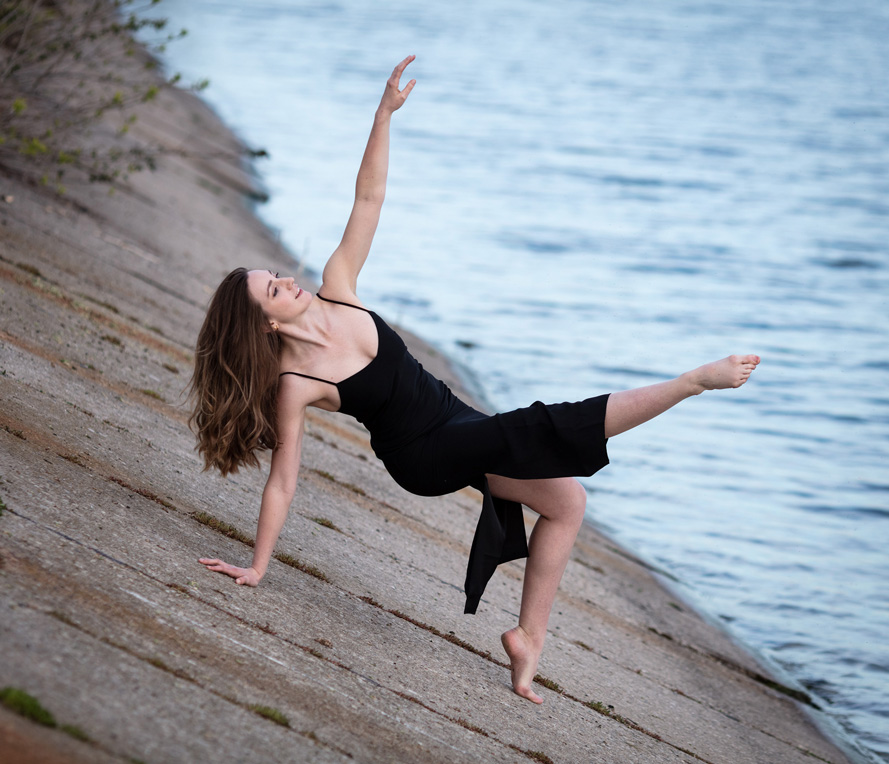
{"points": [[310, 332]]}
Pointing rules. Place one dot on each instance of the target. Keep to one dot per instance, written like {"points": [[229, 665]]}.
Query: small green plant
{"points": [[293, 562], [471, 727], [153, 394], [449, 637], [178, 673], [272, 714], [26, 705], [159, 664], [28, 268], [333, 479], [150, 495], [535, 755], [354, 489], [323, 521], [76, 733], [611, 714], [66, 67], [222, 527], [106, 305], [548, 683]]}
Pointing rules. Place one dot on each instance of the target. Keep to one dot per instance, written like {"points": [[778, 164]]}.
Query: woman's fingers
{"points": [[242, 576], [394, 97], [217, 566], [399, 69]]}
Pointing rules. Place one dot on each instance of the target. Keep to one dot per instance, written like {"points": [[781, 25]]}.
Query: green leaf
{"points": [[33, 147], [26, 705]]}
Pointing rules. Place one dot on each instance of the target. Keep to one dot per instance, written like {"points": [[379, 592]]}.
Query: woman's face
{"points": [[281, 299]]}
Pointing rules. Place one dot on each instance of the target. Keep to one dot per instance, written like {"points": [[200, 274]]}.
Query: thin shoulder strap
{"points": [[307, 376], [337, 302]]}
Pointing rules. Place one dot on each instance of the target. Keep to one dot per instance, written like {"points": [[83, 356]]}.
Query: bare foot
{"points": [[719, 375], [522, 662]]}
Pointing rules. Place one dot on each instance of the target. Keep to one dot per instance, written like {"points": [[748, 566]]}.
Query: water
{"points": [[589, 196]]}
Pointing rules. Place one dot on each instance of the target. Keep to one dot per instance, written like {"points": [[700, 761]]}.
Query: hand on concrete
{"points": [[242, 576]]}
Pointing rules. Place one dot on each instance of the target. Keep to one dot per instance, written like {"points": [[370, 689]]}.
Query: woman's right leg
{"points": [[560, 502], [630, 408]]}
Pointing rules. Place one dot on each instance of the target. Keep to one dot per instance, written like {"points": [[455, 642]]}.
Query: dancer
{"points": [[268, 350]]}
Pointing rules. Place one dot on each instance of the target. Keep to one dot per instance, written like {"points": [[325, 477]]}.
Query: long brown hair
{"points": [[235, 381]]}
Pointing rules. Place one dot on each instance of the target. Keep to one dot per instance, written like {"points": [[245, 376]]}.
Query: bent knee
{"points": [[555, 498], [569, 498], [575, 498]]}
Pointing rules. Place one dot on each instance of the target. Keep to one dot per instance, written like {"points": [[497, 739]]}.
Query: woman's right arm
{"points": [[279, 488], [340, 275]]}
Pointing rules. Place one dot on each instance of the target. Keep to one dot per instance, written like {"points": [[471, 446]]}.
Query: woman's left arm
{"points": [[340, 275]]}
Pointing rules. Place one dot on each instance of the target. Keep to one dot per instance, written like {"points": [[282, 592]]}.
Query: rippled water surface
{"points": [[589, 196]]}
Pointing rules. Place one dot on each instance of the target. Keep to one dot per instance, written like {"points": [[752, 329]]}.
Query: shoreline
{"points": [[356, 637]]}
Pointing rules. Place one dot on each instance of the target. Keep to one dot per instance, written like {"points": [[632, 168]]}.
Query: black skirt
{"points": [[539, 441]]}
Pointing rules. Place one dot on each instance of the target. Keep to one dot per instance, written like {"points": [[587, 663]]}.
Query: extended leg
{"points": [[560, 502], [630, 408]]}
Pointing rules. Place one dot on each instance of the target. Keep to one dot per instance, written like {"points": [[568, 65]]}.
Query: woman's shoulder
{"points": [[295, 395]]}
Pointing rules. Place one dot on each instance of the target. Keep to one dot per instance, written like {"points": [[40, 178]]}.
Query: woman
{"points": [[268, 350]]}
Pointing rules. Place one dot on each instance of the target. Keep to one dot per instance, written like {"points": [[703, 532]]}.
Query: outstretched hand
{"points": [[393, 98], [242, 576]]}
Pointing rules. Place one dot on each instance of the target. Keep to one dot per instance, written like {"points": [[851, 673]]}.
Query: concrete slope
{"points": [[354, 647]]}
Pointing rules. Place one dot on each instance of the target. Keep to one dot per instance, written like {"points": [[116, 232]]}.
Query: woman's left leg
{"points": [[560, 502], [630, 408]]}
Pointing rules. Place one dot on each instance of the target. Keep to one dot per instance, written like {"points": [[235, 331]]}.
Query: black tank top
{"points": [[393, 396]]}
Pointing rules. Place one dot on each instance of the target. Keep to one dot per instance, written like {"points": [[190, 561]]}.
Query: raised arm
{"points": [[340, 275], [279, 489]]}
